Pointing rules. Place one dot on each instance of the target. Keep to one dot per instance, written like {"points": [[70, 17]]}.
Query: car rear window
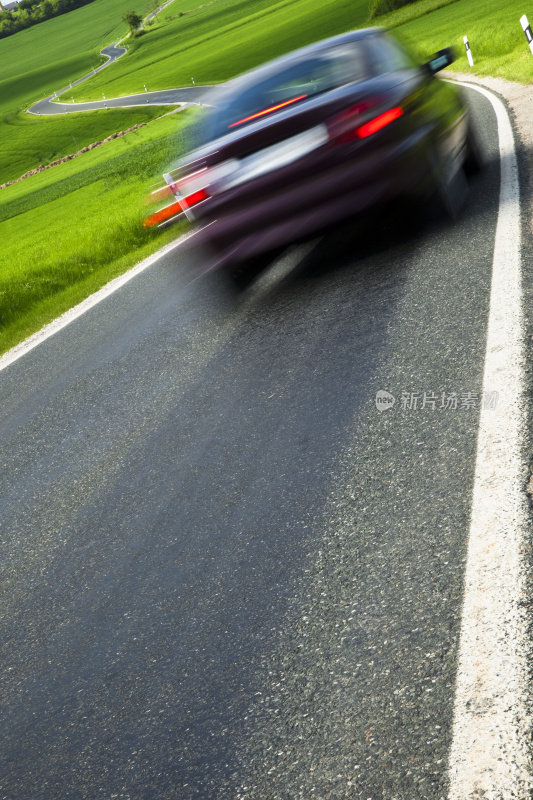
{"points": [[294, 83], [387, 55]]}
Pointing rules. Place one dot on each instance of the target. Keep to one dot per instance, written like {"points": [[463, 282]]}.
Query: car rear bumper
{"points": [[236, 232]]}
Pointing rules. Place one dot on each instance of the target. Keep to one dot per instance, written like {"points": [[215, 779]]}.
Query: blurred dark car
{"points": [[317, 136]]}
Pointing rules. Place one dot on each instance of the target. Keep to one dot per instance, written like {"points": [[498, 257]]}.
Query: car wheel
{"points": [[450, 188], [474, 159], [244, 273]]}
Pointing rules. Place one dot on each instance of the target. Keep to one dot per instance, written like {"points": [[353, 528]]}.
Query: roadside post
{"points": [[468, 51], [526, 27]]}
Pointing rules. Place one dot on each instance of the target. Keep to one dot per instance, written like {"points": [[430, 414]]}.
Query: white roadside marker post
{"points": [[468, 51], [526, 27]]}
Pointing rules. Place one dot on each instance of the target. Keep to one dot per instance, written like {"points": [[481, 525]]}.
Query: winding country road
{"points": [[191, 95]]}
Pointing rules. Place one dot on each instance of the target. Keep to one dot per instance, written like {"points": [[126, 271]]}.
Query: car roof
{"points": [[272, 67], [223, 93]]}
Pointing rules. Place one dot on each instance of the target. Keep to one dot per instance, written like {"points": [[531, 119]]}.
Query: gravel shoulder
{"points": [[519, 96]]}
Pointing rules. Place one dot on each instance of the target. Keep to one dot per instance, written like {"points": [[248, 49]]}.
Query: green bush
{"points": [[379, 7]]}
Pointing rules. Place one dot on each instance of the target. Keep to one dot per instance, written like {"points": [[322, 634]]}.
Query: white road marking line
{"points": [[489, 756], [69, 316]]}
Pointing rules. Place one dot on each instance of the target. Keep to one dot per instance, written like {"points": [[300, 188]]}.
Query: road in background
{"points": [[226, 573], [193, 95]]}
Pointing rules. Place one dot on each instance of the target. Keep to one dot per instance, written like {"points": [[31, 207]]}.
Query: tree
{"points": [[133, 20], [27, 17], [7, 26], [60, 6]]}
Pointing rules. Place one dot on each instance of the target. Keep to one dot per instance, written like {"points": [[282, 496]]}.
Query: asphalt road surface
{"points": [[193, 95], [225, 573]]}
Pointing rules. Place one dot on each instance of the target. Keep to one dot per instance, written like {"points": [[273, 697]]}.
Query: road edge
{"points": [[490, 756], [40, 336]]}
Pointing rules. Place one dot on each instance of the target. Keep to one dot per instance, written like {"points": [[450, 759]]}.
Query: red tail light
{"points": [[379, 122], [193, 199], [161, 216], [346, 126], [342, 127], [182, 204]]}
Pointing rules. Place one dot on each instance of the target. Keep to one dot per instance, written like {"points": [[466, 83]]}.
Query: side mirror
{"points": [[441, 60]]}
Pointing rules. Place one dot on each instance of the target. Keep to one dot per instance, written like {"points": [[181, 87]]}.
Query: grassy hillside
{"points": [[42, 59], [72, 228], [493, 28], [28, 141], [217, 39], [61, 48]]}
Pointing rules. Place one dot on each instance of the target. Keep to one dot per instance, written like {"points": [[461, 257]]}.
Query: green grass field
{"points": [[213, 41], [497, 42], [70, 229], [28, 141], [218, 39], [38, 61]]}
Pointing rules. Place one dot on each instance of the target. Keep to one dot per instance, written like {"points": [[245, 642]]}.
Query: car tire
{"points": [[245, 272], [450, 188], [474, 162]]}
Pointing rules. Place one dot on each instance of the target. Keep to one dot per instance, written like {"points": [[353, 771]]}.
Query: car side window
{"points": [[350, 63], [388, 56]]}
